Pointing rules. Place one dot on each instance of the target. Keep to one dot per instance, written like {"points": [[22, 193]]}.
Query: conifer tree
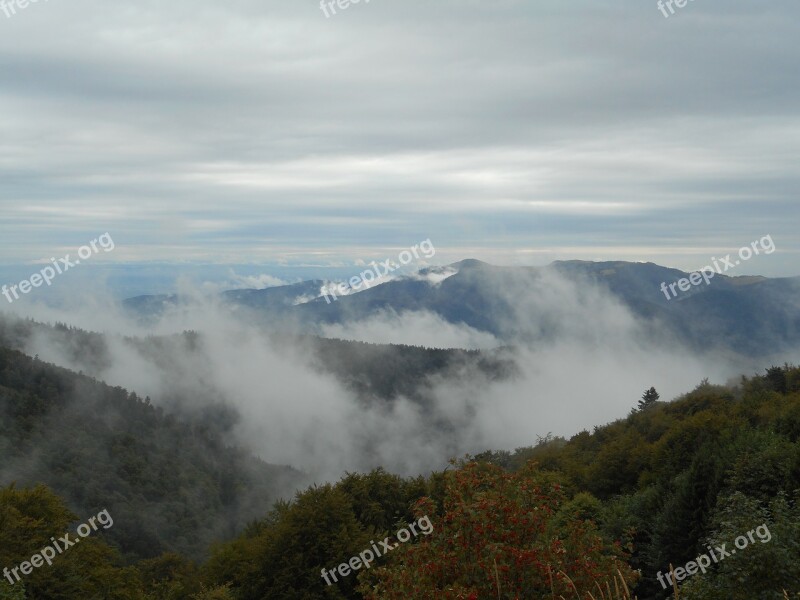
{"points": [[648, 398]]}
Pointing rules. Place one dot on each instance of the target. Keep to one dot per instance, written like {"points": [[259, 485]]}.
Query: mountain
{"points": [[371, 371], [172, 484], [754, 316], [170, 476], [751, 316], [271, 299]]}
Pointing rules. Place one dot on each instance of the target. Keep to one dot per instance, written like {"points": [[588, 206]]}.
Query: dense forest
{"points": [[371, 371], [605, 510], [174, 486]]}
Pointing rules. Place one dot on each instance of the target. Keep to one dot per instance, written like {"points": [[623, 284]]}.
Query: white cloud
{"points": [[413, 329]]}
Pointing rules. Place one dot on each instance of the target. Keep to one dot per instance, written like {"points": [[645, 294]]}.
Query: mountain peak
{"points": [[470, 263]]}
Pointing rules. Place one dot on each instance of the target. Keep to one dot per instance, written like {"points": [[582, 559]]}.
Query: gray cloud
{"points": [[508, 131]]}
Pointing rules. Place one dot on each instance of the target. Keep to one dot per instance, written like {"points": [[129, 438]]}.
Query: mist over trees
{"points": [[197, 518]]}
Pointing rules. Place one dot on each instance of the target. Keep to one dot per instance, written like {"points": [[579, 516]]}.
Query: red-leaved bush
{"points": [[497, 536]]}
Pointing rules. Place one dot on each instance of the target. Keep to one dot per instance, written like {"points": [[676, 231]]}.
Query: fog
{"points": [[584, 360]]}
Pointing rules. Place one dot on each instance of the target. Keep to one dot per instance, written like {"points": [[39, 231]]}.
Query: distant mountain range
{"points": [[751, 316]]}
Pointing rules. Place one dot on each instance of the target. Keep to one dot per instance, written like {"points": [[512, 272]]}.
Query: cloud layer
{"points": [[510, 131], [583, 360]]}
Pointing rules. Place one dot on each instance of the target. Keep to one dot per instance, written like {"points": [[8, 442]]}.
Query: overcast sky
{"points": [[514, 132]]}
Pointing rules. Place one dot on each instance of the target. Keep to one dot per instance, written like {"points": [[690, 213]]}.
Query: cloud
{"points": [[411, 328], [236, 281], [582, 360], [632, 137], [434, 276]]}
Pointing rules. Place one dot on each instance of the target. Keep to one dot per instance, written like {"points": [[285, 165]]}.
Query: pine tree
{"points": [[648, 398]]}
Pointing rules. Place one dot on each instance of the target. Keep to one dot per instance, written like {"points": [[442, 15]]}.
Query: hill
{"points": [[750, 316], [173, 485]]}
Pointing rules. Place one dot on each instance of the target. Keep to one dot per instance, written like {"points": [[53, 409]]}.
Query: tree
{"points": [[29, 518], [168, 577], [283, 556], [776, 377], [217, 593], [649, 398], [759, 568], [500, 535], [9, 592]]}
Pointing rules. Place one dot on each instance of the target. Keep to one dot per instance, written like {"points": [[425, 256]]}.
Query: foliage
{"points": [[12, 592], [638, 494], [168, 577], [498, 535], [171, 486], [649, 398], [29, 518], [765, 567], [222, 592], [285, 554]]}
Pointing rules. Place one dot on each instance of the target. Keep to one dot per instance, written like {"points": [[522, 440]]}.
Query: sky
{"points": [[267, 133]]}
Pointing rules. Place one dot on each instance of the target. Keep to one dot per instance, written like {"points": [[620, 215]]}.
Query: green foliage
{"points": [[168, 577], [619, 464], [766, 566], [653, 488], [221, 592], [686, 505], [652, 483], [380, 500], [284, 556], [776, 378], [661, 472], [387, 372], [12, 592], [171, 486], [649, 398], [28, 520], [767, 465]]}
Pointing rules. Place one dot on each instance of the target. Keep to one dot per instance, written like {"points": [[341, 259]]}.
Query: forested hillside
{"points": [[615, 506], [653, 490], [371, 371], [172, 485]]}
